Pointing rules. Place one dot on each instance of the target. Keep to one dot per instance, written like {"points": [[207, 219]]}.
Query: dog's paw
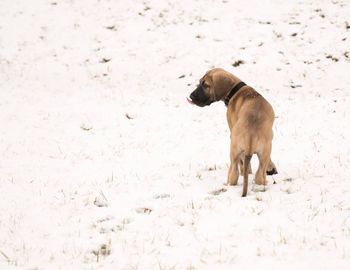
{"points": [[272, 171], [259, 188], [271, 168]]}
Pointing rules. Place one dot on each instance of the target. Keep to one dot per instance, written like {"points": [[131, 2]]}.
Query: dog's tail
{"points": [[247, 158]]}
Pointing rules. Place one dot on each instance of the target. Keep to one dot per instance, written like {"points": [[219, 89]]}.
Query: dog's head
{"points": [[213, 86]]}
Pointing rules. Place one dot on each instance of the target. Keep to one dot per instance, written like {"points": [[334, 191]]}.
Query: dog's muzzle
{"points": [[199, 98]]}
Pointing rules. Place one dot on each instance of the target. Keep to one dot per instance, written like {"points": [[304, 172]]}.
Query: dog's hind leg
{"points": [[260, 176], [233, 174]]}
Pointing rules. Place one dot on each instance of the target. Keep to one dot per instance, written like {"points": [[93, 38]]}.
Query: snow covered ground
{"points": [[104, 165]]}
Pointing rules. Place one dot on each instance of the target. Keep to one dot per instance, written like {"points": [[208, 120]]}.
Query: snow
{"points": [[105, 165]]}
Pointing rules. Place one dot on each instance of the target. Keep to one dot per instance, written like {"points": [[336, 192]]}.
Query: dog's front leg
{"points": [[271, 168]]}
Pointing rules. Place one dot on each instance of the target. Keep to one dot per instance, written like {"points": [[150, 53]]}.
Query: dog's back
{"points": [[253, 121]]}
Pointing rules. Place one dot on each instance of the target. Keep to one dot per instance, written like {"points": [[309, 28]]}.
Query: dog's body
{"points": [[250, 118]]}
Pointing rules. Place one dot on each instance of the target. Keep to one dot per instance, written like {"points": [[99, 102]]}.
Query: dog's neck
{"points": [[233, 91]]}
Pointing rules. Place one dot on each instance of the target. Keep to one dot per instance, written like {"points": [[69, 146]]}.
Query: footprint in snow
{"points": [[218, 191], [161, 196], [143, 210]]}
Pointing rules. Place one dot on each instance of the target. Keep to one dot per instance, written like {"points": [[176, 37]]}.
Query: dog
{"points": [[250, 118]]}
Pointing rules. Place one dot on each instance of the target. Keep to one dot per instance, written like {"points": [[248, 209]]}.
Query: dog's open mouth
{"points": [[200, 104], [190, 101]]}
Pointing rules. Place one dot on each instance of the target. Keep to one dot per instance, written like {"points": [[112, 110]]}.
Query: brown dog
{"points": [[250, 118]]}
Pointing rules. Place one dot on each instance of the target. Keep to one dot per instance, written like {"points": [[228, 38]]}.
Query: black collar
{"points": [[233, 91]]}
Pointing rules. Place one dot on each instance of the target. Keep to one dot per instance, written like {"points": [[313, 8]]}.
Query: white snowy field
{"points": [[104, 165]]}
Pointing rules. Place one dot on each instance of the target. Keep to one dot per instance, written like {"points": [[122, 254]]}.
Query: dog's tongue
{"points": [[190, 101]]}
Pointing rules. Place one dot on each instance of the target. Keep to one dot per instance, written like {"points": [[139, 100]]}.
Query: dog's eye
{"points": [[204, 84]]}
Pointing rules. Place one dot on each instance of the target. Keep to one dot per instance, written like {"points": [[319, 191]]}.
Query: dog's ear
{"points": [[223, 83]]}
